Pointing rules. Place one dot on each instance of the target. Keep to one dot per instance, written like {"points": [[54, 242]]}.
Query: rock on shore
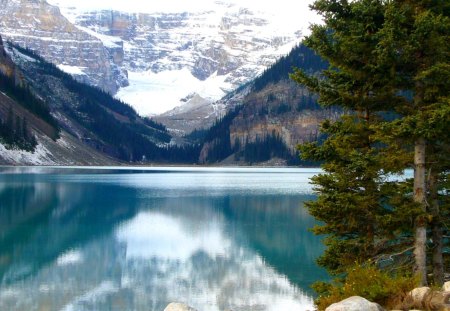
{"points": [[423, 298], [355, 303]]}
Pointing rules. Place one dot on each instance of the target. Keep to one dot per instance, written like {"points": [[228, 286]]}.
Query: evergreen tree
{"points": [[25, 131], [414, 46], [18, 129], [388, 58], [14, 132], [355, 200], [10, 126]]}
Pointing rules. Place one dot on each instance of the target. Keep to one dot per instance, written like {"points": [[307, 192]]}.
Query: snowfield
{"points": [[155, 93]]}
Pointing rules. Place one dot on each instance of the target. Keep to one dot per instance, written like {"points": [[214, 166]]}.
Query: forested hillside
{"points": [[89, 115], [273, 117], [14, 129], [21, 113], [300, 57]]}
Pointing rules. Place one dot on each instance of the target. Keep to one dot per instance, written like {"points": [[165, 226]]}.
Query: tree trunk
{"points": [[420, 257], [436, 231]]}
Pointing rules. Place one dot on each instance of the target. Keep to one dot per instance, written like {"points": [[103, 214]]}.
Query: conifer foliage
{"points": [[15, 133], [23, 96], [389, 73], [300, 57], [414, 48]]}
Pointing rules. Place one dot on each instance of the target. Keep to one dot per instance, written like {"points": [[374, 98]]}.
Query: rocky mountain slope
{"points": [[78, 124], [73, 123], [51, 145], [266, 118]]}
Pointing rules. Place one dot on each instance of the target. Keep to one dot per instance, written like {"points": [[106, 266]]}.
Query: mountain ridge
{"points": [[48, 145]]}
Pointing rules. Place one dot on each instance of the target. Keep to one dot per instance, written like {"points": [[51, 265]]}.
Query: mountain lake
{"points": [[76, 239]]}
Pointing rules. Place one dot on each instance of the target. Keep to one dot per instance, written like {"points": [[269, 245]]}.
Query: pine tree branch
{"points": [[390, 257]]}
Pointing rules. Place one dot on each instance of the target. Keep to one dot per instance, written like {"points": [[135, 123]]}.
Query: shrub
{"points": [[366, 281]]}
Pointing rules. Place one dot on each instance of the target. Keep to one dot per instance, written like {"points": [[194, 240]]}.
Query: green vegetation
{"points": [[23, 96], [218, 137], [389, 73], [366, 281], [260, 150], [263, 149], [14, 130], [15, 134], [300, 57]]}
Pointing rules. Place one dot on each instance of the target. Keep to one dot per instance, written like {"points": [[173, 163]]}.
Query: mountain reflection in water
{"points": [[121, 240]]}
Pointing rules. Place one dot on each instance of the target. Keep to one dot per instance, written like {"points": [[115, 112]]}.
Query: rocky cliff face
{"points": [[234, 43], [41, 27], [278, 109], [272, 115]]}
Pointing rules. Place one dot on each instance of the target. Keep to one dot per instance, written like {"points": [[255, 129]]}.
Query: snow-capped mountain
{"points": [[172, 55], [168, 53], [174, 52]]}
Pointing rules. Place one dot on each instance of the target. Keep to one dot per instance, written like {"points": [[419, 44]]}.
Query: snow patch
{"points": [[108, 41], [41, 156], [47, 39], [252, 23], [287, 10], [73, 70]]}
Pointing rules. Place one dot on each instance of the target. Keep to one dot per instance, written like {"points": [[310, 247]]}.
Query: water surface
{"points": [[137, 239]]}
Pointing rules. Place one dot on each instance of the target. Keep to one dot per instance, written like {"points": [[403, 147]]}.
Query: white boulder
{"points": [[355, 303], [418, 294], [446, 287]]}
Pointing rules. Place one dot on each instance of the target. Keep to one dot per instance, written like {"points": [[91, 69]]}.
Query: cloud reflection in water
{"points": [[202, 267]]}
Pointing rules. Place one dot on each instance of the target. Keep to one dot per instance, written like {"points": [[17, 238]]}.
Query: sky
{"points": [[182, 5], [288, 10]]}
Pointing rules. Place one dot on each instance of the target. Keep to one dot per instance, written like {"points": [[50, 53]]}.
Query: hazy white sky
{"points": [[183, 5], [290, 10]]}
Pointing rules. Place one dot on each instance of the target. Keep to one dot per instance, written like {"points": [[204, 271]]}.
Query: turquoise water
{"points": [[137, 239]]}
